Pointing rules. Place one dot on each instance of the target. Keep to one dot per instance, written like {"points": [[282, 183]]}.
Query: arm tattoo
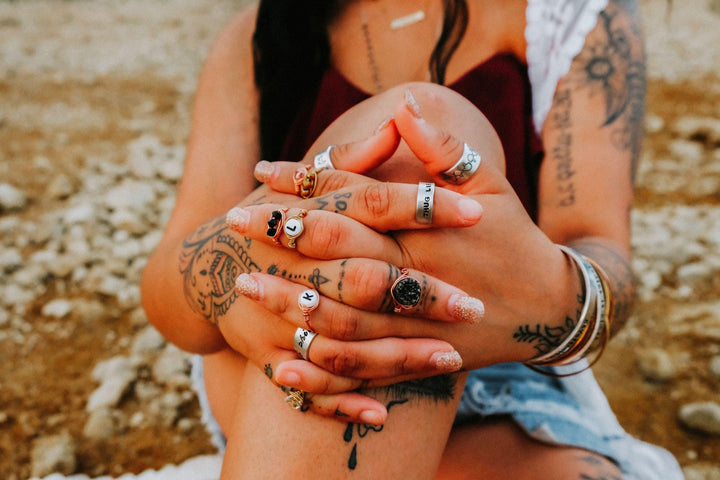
{"points": [[210, 260], [613, 65], [561, 152]]}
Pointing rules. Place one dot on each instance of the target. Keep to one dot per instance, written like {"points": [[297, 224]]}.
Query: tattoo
{"points": [[561, 152], [362, 431], [268, 371], [543, 337], [210, 261], [316, 279], [387, 304], [440, 388], [338, 413], [613, 64], [340, 281], [338, 200]]}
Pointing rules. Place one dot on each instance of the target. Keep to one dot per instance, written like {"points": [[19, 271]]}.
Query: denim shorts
{"points": [[568, 411]]}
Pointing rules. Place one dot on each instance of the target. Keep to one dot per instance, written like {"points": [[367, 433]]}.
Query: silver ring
{"points": [[302, 340], [322, 160], [425, 200], [464, 168]]}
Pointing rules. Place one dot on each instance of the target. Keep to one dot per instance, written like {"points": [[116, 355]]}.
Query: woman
{"points": [[591, 93]]}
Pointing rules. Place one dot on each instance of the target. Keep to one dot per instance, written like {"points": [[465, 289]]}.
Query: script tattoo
{"points": [[210, 261], [439, 388], [561, 151], [613, 65], [339, 202]]}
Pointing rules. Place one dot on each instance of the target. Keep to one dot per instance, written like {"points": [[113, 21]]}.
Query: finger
{"points": [[329, 317], [440, 151], [314, 233], [357, 157], [368, 285]]}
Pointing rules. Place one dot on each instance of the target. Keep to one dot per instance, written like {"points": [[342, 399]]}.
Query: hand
{"points": [[531, 284]]}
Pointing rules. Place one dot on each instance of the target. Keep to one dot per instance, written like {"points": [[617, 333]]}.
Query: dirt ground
{"points": [[61, 117]]}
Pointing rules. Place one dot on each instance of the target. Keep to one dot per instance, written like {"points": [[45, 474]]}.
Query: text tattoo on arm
{"points": [[210, 261]]}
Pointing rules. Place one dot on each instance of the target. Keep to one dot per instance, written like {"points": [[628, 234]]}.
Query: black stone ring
{"points": [[405, 292], [275, 224]]}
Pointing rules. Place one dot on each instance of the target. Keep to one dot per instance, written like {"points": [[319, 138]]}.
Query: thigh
{"points": [[497, 448], [268, 439]]}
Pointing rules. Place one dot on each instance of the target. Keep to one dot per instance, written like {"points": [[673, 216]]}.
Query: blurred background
{"points": [[95, 97]]}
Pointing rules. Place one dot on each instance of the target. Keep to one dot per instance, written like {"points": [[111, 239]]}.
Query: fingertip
{"points": [[373, 417], [469, 210], [264, 171]]}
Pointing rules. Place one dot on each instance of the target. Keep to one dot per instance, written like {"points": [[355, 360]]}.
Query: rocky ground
{"points": [[94, 112]]}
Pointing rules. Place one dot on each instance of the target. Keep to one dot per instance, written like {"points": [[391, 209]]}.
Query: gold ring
{"points": [[305, 180]]}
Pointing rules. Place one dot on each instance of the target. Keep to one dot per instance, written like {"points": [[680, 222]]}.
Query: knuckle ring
{"points": [[308, 301], [296, 399], [322, 160], [305, 180], [464, 168], [425, 201], [302, 340], [405, 292], [275, 224], [293, 227]]}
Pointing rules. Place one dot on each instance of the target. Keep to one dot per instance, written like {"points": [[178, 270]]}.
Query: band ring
{"points": [[293, 227], [305, 180], [296, 399], [275, 224], [405, 292], [425, 201], [322, 160], [308, 301], [302, 340], [464, 168]]}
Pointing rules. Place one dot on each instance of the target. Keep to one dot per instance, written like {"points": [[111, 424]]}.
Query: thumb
{"points": [[364, 155]]}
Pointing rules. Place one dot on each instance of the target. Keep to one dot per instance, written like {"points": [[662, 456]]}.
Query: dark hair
{"points": [[291, 52]]}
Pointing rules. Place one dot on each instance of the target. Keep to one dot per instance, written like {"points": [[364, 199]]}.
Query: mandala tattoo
{"points": [[210, 261]]}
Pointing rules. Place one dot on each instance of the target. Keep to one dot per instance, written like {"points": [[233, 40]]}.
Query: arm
{"points": [[223, 138]]}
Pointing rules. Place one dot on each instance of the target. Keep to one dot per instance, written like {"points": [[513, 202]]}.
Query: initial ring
{"points": [[305, 180], [293, 227], [308, 301], [425, 200], [275, 224], [322, 160], [302, 340], [296, 399], [464, 168], [405, 292]]}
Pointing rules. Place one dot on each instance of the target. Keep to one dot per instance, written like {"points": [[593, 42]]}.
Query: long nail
{"points": [[237, 219], [372, 417], [466, 309], [447, 361], [248, 286], [263, 171], [412, 104]]}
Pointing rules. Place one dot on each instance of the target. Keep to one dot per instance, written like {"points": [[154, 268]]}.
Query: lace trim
{"points": [[555, 34]]}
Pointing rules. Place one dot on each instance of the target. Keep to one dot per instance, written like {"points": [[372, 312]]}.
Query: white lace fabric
{"points": [[555, 34]]}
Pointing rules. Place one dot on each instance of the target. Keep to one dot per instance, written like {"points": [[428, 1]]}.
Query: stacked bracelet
{"points": [[592, 330]]}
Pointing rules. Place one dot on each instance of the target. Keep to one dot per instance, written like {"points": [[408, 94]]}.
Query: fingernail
{"points": [[289, 379], [466, 309], [412, 104], [248, 286], [371, 416], [263, 171], [469, 209], [383, 125], [237, 219], [447, 361]]}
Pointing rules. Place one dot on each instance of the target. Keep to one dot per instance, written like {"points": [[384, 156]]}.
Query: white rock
{"points": [[11, 198], [100, 425], [58, 308], [703, 128], [53, 454], [653, 123], [132, 195], [695, 274], [129, 297], [715, 366], [81, 213], [702, 416], [148, 340], [10, 259], [129, 221], [116, 375], [656, 365], [172, 367]]}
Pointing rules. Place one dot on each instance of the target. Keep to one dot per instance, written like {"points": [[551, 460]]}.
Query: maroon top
{"points": [[499, 87]]}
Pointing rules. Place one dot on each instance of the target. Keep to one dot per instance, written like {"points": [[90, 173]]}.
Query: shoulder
{"points": [[234, 43]]}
